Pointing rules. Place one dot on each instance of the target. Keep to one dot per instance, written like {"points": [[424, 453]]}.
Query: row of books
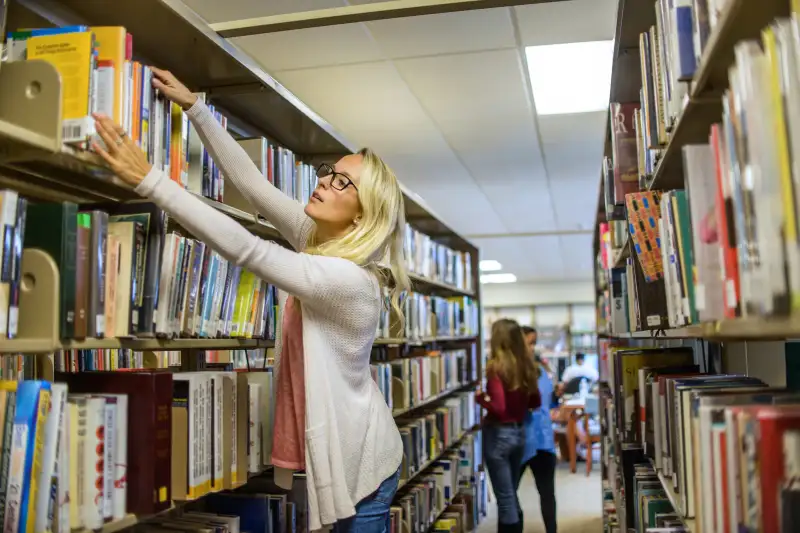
{"points": [[670, 52], [710, 256], [429, 316], [99, 75], [726, 446], [412, 381], [437, 262], [429, 435], [124, 273], [449, 496]]}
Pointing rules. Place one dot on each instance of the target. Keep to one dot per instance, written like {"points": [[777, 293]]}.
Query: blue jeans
{"points": [[503, 448], [372, 513]]}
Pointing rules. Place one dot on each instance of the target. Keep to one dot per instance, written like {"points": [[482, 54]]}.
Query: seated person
{"points": [[579, 370]]}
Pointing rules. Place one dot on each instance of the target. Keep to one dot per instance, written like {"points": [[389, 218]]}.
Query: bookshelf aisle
{"points": [[696, 268], [136, 363]]}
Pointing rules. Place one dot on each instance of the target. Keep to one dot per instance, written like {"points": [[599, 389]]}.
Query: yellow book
{"points": [[110, 42], [781, 147], [38, 450], [71, 55], [240, 306]]}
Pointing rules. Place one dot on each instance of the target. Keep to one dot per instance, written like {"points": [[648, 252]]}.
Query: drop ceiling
{"points": [[445, 100]]}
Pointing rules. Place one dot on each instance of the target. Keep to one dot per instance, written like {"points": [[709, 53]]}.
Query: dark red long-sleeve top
{"points": [[506, 406]]}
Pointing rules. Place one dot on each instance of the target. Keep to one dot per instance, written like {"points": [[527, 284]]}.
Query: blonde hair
{"points": [[378, 237], [510, 358]]}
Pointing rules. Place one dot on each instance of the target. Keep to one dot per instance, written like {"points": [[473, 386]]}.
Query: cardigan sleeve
{"points": [[496, 404], [314, 279], [286, 214]]}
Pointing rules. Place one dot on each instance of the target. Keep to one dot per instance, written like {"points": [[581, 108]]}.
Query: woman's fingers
{"points": [[105, 134], [105, 155]]}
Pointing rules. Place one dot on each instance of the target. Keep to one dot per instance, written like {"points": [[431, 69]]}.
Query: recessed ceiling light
{"points": [[490, 265], [504, 277], [570, 78]]}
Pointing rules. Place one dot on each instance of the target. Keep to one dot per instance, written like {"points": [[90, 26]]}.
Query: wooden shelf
{"points": [[34, 346], [437, 287], [427, 465], [692, 127], [740, 329], [423, 341], [433, 399]]}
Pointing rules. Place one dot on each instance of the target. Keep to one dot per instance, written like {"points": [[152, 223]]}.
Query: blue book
{"points": [[33, 405]]}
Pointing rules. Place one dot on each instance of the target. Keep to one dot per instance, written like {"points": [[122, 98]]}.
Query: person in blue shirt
{"points": [[540, 448]]}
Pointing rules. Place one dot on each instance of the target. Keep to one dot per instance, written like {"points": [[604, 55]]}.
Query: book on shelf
{"points": [[720, 448], [111, 262], [437, 262], [729, 241]]}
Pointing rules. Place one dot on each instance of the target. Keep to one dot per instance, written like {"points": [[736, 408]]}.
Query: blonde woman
{"points": [[331, 420], [511, 391]]}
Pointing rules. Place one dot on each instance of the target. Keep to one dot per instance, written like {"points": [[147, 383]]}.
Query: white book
{"points": [[254, 446], [47, 475]]}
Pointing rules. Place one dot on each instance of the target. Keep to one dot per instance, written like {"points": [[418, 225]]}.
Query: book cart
{"points": [[428, 373], [699, 398]]}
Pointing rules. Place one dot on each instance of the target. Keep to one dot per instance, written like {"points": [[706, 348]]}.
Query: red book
{"points": [[725, 226], [149, 431], [773, 422], [623, 148]]}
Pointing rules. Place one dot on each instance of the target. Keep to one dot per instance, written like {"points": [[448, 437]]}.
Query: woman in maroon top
{"points": [[511, 390]]}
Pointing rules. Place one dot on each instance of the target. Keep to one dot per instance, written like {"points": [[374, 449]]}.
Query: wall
{"points": [[526, 294]]}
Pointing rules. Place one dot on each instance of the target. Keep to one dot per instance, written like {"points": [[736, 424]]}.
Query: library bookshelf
{"points": [[685, 284], [437, 355]]}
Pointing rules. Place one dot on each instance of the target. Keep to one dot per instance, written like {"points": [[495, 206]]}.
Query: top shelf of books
{"points": [[168, 34]]}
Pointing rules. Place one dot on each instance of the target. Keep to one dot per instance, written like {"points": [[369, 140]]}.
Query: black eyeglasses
{"points": [[339, 181]]}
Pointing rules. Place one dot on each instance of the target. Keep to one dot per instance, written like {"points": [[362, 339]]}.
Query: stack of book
{"points": [[717, 450]]}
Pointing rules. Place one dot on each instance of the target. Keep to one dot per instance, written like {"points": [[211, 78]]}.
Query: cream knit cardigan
{"points": [[352, 441]]}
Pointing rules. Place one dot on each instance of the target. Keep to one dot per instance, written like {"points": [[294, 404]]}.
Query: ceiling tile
{"points": [[311, 48], [448, 33], [575, 201], [464, 206], [528, 258], [480, 103], [223, 11], [368, 97], [567, 22], [577, 253], [572, 144]]}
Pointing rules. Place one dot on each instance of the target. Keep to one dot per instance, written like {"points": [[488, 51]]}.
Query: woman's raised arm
{"points": [[284, 213], [316, 280]]}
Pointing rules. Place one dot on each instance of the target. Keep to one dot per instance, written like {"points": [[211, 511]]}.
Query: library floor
{"points": [[578, 500]]}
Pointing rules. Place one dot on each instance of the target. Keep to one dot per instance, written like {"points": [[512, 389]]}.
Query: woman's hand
{"points": [[124, 157], [174, 90]]}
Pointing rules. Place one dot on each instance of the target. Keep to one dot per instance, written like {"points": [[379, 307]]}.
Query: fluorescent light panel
{"points": [[504, 277], [570, 78], [490, 265]]}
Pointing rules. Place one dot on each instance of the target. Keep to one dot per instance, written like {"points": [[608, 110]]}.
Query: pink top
{"points": [[288, 437]]}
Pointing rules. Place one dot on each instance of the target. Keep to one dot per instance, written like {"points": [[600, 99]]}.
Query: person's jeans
{"points": [[503, 447], [543, 468], [372, 513]]}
